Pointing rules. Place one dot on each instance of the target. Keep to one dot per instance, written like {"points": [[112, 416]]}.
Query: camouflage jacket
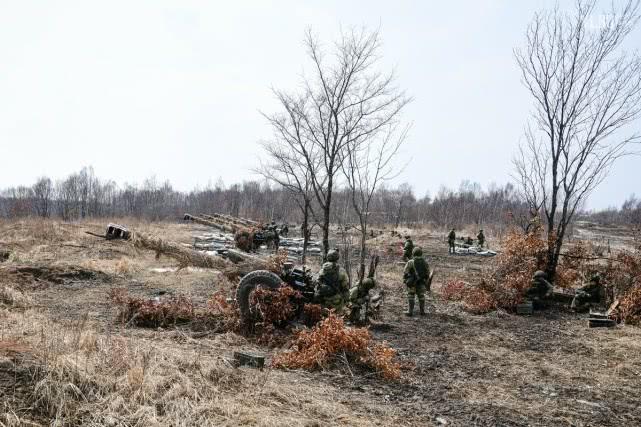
{"points": [[416, 271]]}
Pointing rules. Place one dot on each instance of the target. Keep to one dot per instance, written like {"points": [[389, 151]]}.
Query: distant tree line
{"points": [[83, 195]]}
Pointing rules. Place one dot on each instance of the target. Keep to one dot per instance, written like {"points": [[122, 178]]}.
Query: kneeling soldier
{"points": [[358, 298], [332, 284], [539, 290], [592, 293], [416, 277]]}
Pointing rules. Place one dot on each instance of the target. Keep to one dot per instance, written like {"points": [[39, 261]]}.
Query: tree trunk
{"points": [[305, 230], [325, 228]]}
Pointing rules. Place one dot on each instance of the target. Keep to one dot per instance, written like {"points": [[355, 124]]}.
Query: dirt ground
{"points": [[63, 356]]}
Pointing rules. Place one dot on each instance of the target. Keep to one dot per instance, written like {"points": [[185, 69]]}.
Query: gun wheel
{"points": [[249, 283]]}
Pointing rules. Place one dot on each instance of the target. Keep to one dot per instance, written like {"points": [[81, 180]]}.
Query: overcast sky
{"points": [[175, 89]]}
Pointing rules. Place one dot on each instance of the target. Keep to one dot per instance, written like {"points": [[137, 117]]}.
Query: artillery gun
{"points": [[298, 278], [248, 235]]}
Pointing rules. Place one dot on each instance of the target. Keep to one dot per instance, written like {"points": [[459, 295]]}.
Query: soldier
{"points": [[331, 284], [407, 248], [451, 238], [592, 293], [481, 238], [416, 277], [358, 297], [539, 290], [284, 230]]}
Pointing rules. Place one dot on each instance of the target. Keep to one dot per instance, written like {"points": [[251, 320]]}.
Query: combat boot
{"points": [[421, 306], [410, 308]]}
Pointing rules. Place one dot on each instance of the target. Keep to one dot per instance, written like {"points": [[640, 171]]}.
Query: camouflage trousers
{"points": [[451, 247], [335, 302], [418, 289]]}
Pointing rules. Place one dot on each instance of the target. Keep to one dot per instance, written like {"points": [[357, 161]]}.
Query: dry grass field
{"points": [[65, 359]]}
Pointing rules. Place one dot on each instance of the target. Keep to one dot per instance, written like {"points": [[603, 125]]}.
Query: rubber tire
{"points": [[262, 278]]}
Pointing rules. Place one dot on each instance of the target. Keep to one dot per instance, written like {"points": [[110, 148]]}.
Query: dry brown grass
{"points": [[85, 377], [12, 297]]}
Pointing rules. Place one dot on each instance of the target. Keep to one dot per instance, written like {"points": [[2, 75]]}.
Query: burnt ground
{"points": [[459, 368]]}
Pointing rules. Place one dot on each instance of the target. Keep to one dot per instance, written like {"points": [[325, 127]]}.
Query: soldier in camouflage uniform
{"points": [[416, 278], [407, 248], [481, 238], [332, 284], [540, 289], [451, 239], [358, 296], [592, 293]]}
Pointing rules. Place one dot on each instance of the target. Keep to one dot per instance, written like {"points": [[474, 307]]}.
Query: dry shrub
{"points": [[14, 298], [276, 261], [152, 313], [320, 346], [623, 276], [575, 265], [224, 314], [312, 314], [454, 290], [522, 255], [275, 306], [244, 240], [124, 267]]}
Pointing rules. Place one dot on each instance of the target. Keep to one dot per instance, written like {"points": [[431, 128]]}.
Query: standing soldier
{"points": [[451, 239], [481, 238], [332, 284], [416, 277], [408, 247]]}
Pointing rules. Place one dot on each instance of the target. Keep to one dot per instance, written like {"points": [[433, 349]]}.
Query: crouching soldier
{"points": [[416, 277], [408, 247], [331, 290], [358, 299], [589, 294], [540, 289]]}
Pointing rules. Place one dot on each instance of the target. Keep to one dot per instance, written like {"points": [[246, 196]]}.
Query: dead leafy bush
{"points": [[320, 346], [312, 314], [220, 315], [454, 290], [274, 306], [623, 277], [505, 287], [276, 261], [152, 313]]}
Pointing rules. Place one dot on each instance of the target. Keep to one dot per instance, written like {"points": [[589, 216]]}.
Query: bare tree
{"points": [[288, 168], [586, 93], [344, 99], [43, 192], [367, 164]]}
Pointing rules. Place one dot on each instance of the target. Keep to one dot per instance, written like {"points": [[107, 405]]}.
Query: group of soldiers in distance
{"points": [[332, 290]]}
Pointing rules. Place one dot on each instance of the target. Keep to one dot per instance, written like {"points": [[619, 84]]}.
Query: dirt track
{"points": [[460, 369]]}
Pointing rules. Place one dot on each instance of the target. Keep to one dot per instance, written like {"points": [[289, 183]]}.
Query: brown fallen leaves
{"points": [[321, 345]]}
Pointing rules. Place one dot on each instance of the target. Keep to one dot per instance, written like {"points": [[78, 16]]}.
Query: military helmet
{"points": [[332, 255], [368, 283], [417, 251], [596, 277], [539, 273]]}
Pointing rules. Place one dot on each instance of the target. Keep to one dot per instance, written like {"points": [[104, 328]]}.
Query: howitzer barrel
{"points": [[228, 228], [240, 221]]}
